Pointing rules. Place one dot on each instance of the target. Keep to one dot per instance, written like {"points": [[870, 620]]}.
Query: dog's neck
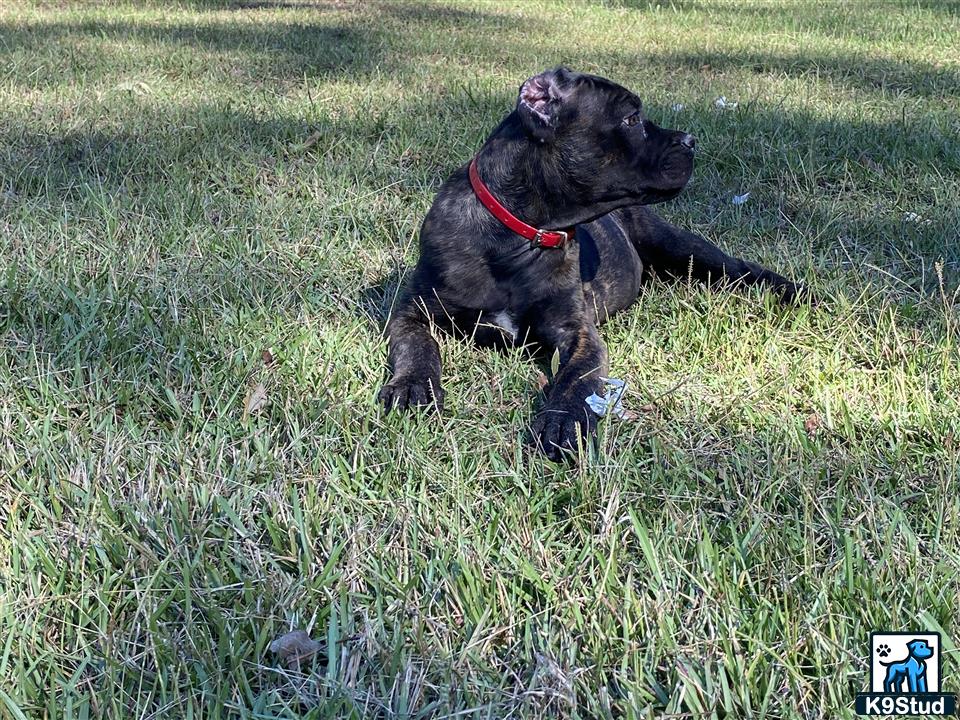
{"points": [[530, 180]]}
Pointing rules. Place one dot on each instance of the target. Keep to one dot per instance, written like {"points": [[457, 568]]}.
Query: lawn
{"points": [[204, 211]]}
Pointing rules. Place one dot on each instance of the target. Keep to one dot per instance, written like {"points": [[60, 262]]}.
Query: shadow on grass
{"points": [[325, 38], [859, 71], [414, 11], [294, 49], [376, 301], [809, 16], [320, 37]]}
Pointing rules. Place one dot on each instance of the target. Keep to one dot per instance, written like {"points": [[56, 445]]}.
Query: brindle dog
{"points": [[579, 152]]}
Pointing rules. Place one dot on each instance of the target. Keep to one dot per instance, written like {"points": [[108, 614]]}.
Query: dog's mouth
{"points": [[652, 196], [676, 167], [674, 172]]}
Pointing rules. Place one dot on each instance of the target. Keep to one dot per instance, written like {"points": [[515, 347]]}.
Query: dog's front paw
{"points": [[791, 293], [402, 393], [559, 431]]}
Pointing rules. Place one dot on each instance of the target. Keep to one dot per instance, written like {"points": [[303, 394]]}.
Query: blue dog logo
{"points": [[912, 670], [905, 677]]}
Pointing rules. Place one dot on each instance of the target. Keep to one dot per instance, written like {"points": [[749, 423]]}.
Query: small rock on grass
{"points": [[295, 647]]}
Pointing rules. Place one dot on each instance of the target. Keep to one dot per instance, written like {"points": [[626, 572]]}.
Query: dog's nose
{"points": [[688, 141]]}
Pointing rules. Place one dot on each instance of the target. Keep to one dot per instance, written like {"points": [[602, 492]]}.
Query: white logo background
{"points": [[899, 651]]}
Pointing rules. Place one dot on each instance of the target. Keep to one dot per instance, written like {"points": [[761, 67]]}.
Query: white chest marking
{"points": [[503, 320]]}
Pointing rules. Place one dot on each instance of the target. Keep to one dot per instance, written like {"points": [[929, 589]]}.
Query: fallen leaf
{"points": [[267, 357], [541, 380], [812, 424], [295, 647], [256, 399]]}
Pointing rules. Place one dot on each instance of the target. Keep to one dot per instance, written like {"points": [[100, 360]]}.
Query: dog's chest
{"points": [[506, 322]]}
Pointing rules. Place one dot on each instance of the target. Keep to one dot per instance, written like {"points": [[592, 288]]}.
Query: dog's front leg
{"points": [[565, 418], [414, 359], [667, 248]]}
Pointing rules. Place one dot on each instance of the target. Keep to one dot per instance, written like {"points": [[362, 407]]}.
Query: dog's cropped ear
{"points": [[541, 98]]}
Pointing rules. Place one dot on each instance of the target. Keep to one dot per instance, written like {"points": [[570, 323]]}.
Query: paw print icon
{"points": [[883, 650]]}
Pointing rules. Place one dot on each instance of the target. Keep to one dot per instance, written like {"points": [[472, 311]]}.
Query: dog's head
{"points": [[920, 649], [599, 133]]}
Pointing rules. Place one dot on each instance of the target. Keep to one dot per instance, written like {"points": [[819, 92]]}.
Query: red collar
{"points": [[540, 238]]}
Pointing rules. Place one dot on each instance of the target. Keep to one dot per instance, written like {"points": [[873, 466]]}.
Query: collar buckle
{"points": [[563, 235]]}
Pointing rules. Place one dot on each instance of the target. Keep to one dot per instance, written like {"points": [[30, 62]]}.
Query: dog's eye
{"points": [[632, 119]]}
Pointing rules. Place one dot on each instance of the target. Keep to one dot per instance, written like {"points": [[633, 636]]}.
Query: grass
{"points": [[204, 208]]}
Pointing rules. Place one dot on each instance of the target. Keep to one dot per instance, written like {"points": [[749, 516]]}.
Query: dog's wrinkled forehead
{"points": [[606, 100]]}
